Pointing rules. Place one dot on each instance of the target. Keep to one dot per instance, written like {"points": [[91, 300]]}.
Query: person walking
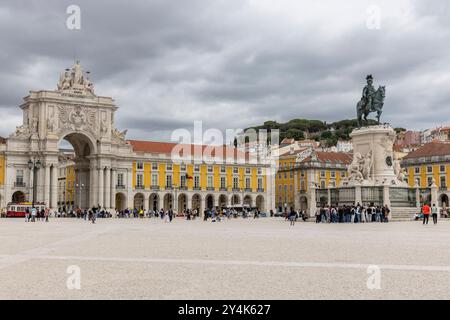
{"points": [[27, 214], [426, 213], [292, 217], [434, 213], [46, 213]]}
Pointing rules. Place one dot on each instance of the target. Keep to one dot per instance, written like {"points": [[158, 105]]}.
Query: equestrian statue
{"points": [[372, 101]]}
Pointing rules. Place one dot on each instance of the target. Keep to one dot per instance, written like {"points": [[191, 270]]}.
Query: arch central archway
{"points": [[75, 179]]}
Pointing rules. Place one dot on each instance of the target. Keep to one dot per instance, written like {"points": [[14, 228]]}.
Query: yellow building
{"points": [[66, 181], [297, 170], [430, 164], [160, 182]]}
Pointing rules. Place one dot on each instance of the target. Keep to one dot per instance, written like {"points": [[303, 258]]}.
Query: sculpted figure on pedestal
{"points": [[359, 170]]}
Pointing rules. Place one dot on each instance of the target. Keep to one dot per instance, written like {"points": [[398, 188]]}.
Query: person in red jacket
{"points": [[426, 213]]}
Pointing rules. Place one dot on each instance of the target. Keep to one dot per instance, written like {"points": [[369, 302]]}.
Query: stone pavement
{"points": [[236, 259]]}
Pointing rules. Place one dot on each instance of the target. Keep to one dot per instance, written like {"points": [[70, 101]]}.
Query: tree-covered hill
{"points": [[300, 129]]}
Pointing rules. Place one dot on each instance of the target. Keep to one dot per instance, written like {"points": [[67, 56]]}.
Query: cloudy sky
{"points": [[232, 63]]}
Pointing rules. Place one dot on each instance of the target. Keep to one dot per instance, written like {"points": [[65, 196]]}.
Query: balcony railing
{"points": [[197, 188], [248, 189], [139, 187], [236, 189], [183, 188], [120, 187], [154, 187], [223, 189], [210, 188], [19, 184], [260, 189], [169, 187]]}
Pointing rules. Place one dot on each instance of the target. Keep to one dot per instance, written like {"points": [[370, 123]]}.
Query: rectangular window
{"points": [[210, 181], [443, 182], [260, 183], [139, 166], [19, 177], [259, 171], [235, 170], [247, 183], [182, 167], [416, 170], [333, 174], [196, 168], [430, 181], [322, 174], [120, 179], [169, 167], [291, 174], [235, 183], [154, 166], [139, 180], [247, 170], [429, 169], [154, 180], [322, 184], [183, 181], [222, 169], [442, 168], [342, 174], [302, 174], [418, 182], [197, 182], [302, 185], [210, 169], [223, 182], [169, 181]]}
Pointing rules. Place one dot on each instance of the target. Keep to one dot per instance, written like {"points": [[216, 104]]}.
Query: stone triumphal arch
{"points": [[76, 114]]}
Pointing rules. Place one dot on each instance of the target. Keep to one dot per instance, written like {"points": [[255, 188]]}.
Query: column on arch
{"points": [[101, 180], [107, 191], [93, 175], [54, 187], [47, 185], [113, 188]]}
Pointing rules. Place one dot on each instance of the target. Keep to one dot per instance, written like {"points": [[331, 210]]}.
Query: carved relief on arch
{"points": [[78, 118]]}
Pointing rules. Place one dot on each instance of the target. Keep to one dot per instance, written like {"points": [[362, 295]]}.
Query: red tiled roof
{"points": [[287, 141], [431, 149], [332, 157], [167, 147], [293, 153]]}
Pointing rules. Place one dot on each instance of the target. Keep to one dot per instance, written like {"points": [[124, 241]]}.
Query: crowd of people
{"points": [[353, 214]]}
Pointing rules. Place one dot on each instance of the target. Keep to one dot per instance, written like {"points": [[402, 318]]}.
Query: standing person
{"points": [[46, 213], [292, 217], [426, 213], [434, 213], [341, 214], [27, 214], [358, 213], [33, 214], [386, 213], [170, 215]]}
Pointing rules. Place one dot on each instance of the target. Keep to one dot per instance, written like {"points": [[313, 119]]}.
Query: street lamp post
{"points": [[34, 166]]}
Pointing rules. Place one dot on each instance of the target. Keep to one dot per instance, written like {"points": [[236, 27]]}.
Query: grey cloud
{"points": [[229, 63]]}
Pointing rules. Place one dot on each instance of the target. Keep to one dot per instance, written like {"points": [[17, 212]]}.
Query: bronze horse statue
{"points": [[363, 109]]}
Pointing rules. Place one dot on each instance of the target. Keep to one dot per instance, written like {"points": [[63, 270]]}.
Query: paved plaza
{"points": [[236, 259]]}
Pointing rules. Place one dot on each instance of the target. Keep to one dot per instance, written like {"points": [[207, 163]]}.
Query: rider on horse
{"points": [[368, 93]]}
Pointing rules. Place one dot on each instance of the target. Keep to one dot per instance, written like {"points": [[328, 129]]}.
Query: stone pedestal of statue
{"points": [[373, 155]]}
